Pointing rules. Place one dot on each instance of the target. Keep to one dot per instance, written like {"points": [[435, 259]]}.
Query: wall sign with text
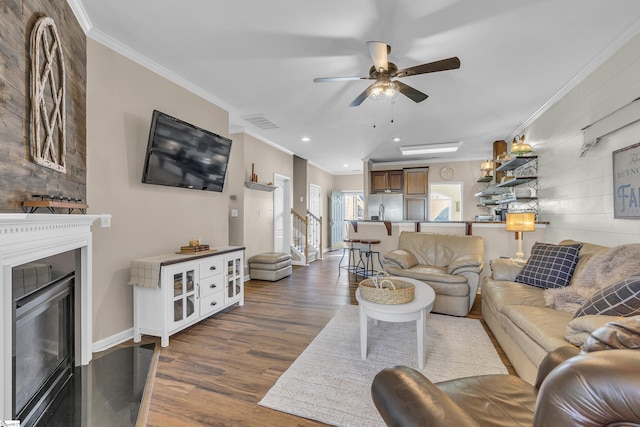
{"points": [[626, 182]]}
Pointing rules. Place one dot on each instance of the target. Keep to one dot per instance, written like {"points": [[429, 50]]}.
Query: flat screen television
{"points": [[180, 154]]}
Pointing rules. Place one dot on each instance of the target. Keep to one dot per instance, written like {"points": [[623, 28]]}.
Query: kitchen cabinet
{"points": [[415, 208], [189, 289], [416, 182], [390, 181]]}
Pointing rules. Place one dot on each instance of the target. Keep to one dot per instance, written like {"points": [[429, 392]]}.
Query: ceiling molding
{"points": [[624, 37], [81, 15]]}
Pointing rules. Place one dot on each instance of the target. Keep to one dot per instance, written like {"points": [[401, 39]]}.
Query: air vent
{"points": [[261, 121]]}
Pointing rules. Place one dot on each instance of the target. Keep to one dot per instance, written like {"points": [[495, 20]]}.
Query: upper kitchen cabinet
{"points": [[387, 181], [416, 182]]}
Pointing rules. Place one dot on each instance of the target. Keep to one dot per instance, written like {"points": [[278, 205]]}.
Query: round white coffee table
{"points": [[415, 310]]}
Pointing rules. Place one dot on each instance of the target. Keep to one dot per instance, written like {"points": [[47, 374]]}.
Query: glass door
{"points": [[234, 279], [184, 296]]}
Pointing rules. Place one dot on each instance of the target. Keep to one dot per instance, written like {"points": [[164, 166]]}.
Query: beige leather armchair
{"points": [[450, 264]]}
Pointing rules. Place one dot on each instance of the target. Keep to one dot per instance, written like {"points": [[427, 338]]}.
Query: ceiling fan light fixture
{"points": [[411, 150], [383, 90]]}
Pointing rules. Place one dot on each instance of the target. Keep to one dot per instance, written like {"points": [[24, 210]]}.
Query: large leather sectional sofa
{"points": [[450, 264], [526, 328]]}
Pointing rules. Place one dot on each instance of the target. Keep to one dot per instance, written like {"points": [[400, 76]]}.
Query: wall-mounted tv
{"points": [[180, 154]]}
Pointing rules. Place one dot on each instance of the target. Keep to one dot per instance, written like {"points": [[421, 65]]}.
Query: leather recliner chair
{"points": [[598, 387]]}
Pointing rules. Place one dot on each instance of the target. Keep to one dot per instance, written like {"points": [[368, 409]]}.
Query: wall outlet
{"points": [[234, 213]]}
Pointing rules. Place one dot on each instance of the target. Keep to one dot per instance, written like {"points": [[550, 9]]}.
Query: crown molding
{"points": [[81, 14], [624, 37]]}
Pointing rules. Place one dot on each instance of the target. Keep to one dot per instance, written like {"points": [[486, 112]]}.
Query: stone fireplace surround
{"points": [[30, 237]]}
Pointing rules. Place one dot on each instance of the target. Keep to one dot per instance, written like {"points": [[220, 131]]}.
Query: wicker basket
{"points": [[389, 290]]}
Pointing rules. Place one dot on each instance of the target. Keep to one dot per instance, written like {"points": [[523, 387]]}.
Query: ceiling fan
{"points": [[383, 71]]}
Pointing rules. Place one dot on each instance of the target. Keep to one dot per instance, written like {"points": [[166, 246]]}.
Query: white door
{"points": [[282, 214], [337, 219], [314, 199]]}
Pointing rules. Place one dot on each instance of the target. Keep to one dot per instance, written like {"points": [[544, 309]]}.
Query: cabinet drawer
{"points": [[211, 267], [211, 285], [211, 304]]}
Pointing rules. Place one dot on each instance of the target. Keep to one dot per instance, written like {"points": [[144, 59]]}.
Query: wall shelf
{"points": [[515, 163], [257, 186]]}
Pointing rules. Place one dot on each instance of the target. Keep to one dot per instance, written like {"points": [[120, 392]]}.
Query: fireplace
{"points": [[28, 242], [43, 333]]}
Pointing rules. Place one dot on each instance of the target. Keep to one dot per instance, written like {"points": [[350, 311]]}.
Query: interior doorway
{"points": [[445, 202], [282, 198], [315, 201]]}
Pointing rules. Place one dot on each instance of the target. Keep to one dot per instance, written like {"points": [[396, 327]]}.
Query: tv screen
{"points": [[183, 155]]}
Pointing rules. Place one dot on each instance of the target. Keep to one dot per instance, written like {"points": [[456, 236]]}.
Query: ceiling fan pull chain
{"points": [[392, 112], [374, 115]]}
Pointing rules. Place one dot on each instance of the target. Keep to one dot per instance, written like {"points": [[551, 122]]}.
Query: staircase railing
{"points": [[315, 232], [307, 231], [300, 233]]}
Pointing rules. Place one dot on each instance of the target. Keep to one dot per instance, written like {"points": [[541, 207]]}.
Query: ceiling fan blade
{"points": [[414, 94], [360, 98], [339, 79], [379, 52], [432, 67]]}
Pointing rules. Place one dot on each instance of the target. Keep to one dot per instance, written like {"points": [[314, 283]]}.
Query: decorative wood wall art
{"points": [[48, 116]]}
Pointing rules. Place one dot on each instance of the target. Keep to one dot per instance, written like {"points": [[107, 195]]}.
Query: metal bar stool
{"points": [[349, 246], [368, 262]]}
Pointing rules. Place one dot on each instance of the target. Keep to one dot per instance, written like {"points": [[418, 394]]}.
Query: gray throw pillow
{"points": [[620, 299], [549, 266]]}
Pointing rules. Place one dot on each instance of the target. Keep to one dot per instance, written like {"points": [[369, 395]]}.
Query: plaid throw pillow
{"points": [[549, 266], [621, 299]]}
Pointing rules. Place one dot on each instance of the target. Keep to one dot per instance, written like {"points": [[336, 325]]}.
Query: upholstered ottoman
{"points": [[270, 266]]}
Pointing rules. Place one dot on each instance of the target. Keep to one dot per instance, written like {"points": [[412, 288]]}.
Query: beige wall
{"points": [[348, 182], [258, 205], [576, 192], [147, 219], [325, 181]]}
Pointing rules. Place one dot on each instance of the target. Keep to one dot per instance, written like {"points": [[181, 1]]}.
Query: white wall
{"points": [[576, 192], [147, 219]]}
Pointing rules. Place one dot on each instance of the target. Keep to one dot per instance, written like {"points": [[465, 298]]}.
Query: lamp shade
{"points": [[521, 221]]}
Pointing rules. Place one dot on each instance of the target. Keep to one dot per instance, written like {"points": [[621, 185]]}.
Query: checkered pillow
{"points": [[549, 266], [621, 299]]}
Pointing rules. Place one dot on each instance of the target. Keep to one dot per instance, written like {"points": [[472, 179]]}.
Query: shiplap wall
{"points": [[577, 192], [19, 176]]}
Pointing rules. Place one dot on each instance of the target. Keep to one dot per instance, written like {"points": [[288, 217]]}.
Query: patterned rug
{"points": [[330, 383]]}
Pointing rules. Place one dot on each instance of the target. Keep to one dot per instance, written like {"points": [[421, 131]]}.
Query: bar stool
{"points": [[368, 262], [350, 246]]}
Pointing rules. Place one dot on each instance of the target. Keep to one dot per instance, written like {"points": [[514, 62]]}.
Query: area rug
{"points": [[329, 382]]}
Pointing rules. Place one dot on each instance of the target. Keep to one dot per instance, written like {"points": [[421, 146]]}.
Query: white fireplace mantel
{"points": [[29, 237]]}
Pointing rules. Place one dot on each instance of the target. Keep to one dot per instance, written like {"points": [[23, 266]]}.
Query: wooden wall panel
{"points": [[19, 176]]}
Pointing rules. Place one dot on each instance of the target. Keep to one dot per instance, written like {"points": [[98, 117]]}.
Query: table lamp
{"points": [[519, 222]]}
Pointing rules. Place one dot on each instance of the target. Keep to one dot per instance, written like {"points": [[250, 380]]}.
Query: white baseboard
{"points": [[113, 340]]}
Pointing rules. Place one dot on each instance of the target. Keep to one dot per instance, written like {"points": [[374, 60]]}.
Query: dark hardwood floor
{"points": [[216, 372]]}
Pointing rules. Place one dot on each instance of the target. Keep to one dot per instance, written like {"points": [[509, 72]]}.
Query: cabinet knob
{"points": [[213, 267], [213, 286], [214, 303]]}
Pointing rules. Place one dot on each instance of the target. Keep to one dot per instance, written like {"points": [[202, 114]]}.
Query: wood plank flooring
{"points": [[216, 372]]}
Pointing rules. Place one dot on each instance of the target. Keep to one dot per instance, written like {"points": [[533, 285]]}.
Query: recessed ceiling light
{"points": [[306, 139], [396, 139], [429, 148], [345, 165]]}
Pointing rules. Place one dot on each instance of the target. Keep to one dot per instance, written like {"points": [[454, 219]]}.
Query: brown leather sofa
{"points": [[450, 264], [594, 388]]}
